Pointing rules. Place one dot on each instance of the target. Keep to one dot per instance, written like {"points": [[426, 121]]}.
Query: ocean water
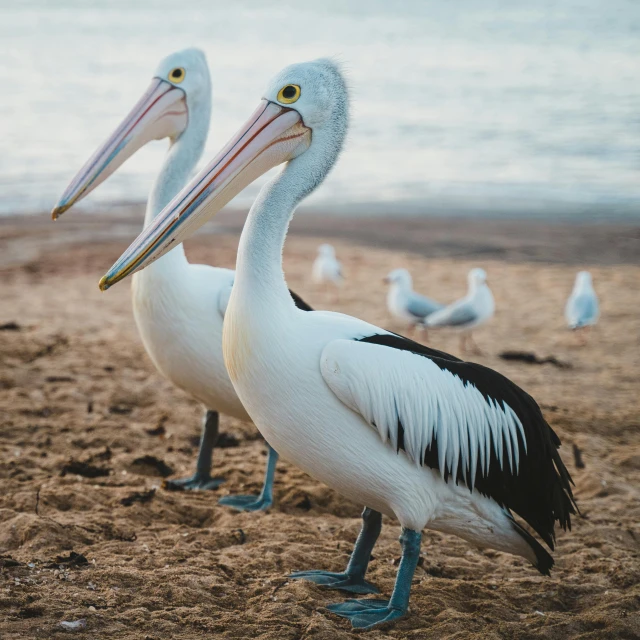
{"points": [[483, 106]]}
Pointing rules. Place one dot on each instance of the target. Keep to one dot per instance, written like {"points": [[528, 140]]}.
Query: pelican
{"points": [[582, 309], [326, 267], [408, 431], [468, 313], [178, 306], [404, 303]]}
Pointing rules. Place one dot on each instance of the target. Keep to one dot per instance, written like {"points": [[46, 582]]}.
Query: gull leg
{"points": [[583, 334], [263, 501], [364, 614], [201, 479], [352, 579], [463, 343], [474, 347]]}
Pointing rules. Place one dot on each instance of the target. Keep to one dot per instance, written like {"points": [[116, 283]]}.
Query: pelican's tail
{"points": [[543, 560]]}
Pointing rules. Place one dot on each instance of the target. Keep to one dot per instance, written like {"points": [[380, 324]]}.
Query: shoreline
{"points": [[514, 240]]}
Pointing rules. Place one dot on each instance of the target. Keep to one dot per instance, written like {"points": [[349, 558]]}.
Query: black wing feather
{"points": [[540, 491], [299, 302]]}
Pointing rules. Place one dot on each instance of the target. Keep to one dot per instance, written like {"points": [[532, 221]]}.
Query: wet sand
{"points": [[77, 388]]}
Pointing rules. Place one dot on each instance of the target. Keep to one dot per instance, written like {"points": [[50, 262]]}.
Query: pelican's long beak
{"points": [[161, 112], [271, 136]]}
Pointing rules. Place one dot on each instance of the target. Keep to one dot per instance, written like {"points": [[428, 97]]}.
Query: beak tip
{"points": [[58, 210], [103, 284]]}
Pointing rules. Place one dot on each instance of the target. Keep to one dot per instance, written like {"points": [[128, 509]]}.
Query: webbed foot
{"points": [[263, 501], [196, 482], [201, 480], [247, 503], [342, 581], [368, 613]]}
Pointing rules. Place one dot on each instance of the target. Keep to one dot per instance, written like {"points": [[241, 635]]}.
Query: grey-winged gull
{"points": [[404, 303], [582, 309], [469, 312]]}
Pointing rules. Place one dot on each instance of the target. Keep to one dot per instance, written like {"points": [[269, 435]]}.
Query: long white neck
{"points": [[259, 262], [180, 161], [259, 277]]}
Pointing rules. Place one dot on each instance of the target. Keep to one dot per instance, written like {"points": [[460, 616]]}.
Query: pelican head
{"points": [[399, 277], [302, 120], [477, 277], [180, 89]]}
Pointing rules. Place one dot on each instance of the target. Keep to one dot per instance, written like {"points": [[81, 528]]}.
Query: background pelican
{"points": [[468, 313], [404, 303], [582, 309], [408, 431], [178, 306]]}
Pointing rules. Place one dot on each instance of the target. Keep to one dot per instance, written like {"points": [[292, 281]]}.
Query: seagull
{"points": [[178, 306], [410, 432], [326, 267], [476, 308], [404, 303], [582, 309]]}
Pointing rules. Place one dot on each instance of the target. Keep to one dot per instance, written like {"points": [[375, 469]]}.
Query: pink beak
{"points": [[160, 113]]}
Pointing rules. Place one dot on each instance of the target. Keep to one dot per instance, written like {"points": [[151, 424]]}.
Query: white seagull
{"points": [[468, 313], [582, 309], [178, 306], [408, 431], [404, 303], [326, 267]]}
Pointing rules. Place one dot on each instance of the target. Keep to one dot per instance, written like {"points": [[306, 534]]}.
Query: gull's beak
{"points": [[271, 136], [160, 113]]}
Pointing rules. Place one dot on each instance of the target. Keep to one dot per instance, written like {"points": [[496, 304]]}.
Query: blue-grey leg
{"points": [[263, 501], [201, 479], [353, 577], [368, 613]]}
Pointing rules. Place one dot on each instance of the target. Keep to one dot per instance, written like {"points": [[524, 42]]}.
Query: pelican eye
{"points": [[177, 75], [289, 94]]}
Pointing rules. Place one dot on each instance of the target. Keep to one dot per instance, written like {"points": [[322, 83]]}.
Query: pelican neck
{"points": [[179, 163], [259, 272]]}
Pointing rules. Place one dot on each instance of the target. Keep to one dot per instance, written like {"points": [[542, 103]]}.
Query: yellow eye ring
{"points": [[289, 94], [177, 75]]}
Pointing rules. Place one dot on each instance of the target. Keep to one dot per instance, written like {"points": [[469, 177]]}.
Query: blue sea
{"points": [[474, 106]]}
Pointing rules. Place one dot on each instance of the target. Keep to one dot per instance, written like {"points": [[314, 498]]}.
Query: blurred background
{"points": [[499, 107]]}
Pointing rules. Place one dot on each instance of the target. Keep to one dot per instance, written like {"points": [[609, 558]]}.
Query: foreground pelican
{"points": [[178, 306], [404, 303], [582, 309], [408, 431], [468, 313]]}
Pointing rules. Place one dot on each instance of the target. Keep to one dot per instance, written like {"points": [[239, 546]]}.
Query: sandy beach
{"points": [[89, 430]]}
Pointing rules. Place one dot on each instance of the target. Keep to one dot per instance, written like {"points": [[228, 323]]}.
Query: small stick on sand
{"points": [[577, 457]]}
